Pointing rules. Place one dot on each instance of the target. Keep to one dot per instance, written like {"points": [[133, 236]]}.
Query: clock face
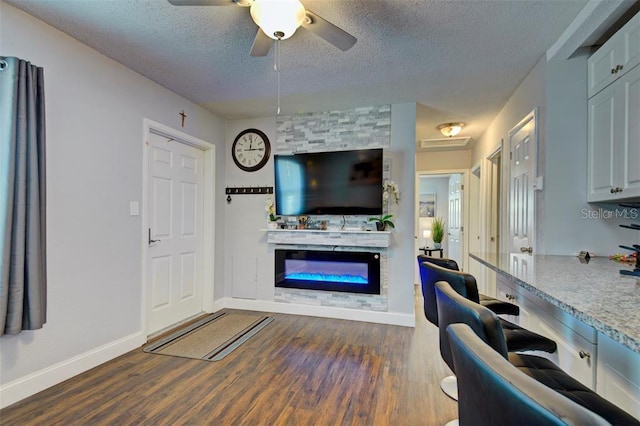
{"points": [[251, 150]]}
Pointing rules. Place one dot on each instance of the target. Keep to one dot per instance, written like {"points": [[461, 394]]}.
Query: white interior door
{"points": [[175, 206], [455, 228], [522, 142]]}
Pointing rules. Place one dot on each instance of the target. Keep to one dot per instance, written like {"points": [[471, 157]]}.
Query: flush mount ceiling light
{"points": [[279, 19], [450, 129]]}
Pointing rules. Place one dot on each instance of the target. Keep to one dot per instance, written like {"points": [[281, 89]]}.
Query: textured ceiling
{"points": [[460, 60]]}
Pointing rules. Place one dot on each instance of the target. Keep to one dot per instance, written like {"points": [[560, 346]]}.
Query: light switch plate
{"points": [[134, 208]]}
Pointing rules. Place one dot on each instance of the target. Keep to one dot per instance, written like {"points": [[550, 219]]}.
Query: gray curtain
{"points": [[23, 275]]}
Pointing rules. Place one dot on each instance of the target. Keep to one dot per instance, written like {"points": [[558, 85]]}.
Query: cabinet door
{"points": [[615, 58], [614, 140], [604, 126], [575, 354], [505, 290], [630, 44], [618, 377], [631, 136], [602, 66]]}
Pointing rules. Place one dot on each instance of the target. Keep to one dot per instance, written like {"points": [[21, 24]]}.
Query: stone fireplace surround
{"points": [[363, 241], [358, 128], [328, 270]]}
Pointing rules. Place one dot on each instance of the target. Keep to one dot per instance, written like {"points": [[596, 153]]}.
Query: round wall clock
{"points": [[251, 150]]}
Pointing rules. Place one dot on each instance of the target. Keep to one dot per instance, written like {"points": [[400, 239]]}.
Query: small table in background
{"points": [[429, 251]]}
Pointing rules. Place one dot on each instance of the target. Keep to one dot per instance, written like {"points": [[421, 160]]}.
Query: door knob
{"points": [[526, 250]]}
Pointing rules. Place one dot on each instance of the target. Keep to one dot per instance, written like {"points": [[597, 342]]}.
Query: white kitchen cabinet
{"points": [[506, 291], [576, 341], [618, 375], [616, 57], [614, 140], [576, 355]]}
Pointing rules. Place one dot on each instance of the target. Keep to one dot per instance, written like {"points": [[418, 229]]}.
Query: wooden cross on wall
{"points": [[183, 117]]}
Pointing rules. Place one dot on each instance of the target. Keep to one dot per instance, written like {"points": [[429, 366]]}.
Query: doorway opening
{"points": [[442, 195]]}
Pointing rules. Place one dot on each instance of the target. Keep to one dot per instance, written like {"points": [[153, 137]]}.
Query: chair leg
{"points": [[449, 386]]}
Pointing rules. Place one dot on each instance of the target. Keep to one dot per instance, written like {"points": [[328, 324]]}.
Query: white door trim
{"points": [[492, 191], [208, 225]]}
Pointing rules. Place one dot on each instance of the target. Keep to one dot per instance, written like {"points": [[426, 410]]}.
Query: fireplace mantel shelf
{"points": [[350, 238], [327, 231]]}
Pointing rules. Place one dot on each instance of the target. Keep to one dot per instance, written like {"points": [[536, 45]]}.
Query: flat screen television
{"points": [[329, 183]]}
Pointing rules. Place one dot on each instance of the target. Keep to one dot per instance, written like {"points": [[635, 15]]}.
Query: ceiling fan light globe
{"points": [[279, 19]]}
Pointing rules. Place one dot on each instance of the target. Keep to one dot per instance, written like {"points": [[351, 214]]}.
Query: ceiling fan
{"points": [[278, 20]]}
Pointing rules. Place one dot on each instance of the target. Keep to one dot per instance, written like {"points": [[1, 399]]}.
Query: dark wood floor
{"points": [[297, 371]]}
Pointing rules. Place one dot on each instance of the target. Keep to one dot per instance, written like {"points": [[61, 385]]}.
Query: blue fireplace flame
{"points": [[322, 271], [338, 278], [345, 271]]}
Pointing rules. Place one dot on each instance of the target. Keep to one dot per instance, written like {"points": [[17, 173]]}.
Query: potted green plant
{"points": [[383, 222], [437, 232]]}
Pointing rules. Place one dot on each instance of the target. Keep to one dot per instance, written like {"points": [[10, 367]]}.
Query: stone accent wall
{"points": [[359, 128]]}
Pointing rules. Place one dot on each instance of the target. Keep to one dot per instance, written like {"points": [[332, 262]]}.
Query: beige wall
{"points": [[432, 161]]}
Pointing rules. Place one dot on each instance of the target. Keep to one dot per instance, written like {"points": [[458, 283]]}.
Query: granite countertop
{"points": [[594, 292]]}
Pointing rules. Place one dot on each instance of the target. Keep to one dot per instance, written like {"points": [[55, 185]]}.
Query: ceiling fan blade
{"points": [[205, 2], [325, 29], [261, 44]]}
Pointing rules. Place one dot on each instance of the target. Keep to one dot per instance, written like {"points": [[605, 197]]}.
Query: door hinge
{"points": [[510, 155], [462, 187]]}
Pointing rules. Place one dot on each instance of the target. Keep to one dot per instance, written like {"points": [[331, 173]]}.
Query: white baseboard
{"points": [[390, 318], [40, 380]]}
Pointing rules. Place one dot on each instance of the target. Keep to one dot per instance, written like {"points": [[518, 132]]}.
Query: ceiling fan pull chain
{"points": [[276, 67]]}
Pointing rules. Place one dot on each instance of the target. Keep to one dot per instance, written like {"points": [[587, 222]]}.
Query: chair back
{"points": [[454, 309], [491, 391], [430, 274], [440, 261]]}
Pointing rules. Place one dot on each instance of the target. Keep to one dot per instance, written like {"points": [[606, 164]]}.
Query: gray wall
{"points": [[565, 222], [570, 223], [94, 166]]}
